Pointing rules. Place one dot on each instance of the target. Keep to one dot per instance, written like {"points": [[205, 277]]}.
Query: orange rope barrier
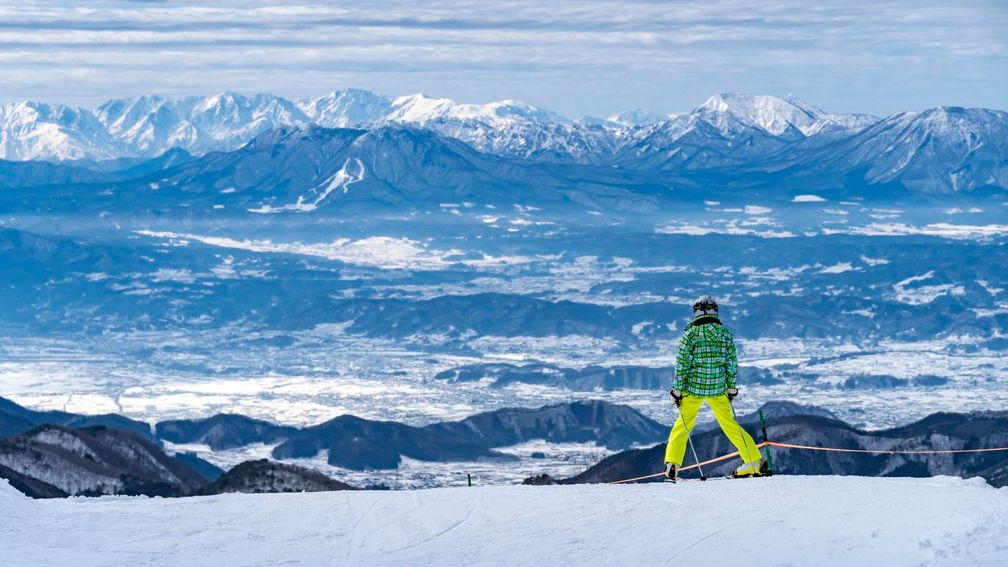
{"points": [[626, 480], [812, 448], [884, 451], [686, 468]]}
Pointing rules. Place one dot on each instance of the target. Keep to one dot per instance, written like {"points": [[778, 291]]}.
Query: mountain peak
{"points": [[637, 117], [725, 101], [422, 109], [225, 97], [775, 115], [347, 108]]}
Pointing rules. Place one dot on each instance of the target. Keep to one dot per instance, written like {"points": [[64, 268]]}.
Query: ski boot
{"points": [[671, 472], [764, 468], [750, 469]]}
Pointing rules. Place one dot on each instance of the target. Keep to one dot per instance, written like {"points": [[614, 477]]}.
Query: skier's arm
{"points": [[731, 363], [684, 361]]}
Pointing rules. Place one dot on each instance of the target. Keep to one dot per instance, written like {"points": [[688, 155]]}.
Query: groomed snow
{"points": [[784, 520], [351, 172]]}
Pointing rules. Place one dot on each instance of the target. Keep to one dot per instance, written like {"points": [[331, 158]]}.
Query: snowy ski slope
{"points": [[784, 520]]}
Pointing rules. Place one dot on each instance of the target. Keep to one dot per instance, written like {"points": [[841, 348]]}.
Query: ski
{"points": [[726, 477], [694, 479]]}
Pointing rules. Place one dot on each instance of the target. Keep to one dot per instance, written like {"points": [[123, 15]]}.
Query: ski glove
{"points": [[731, 393], [677, 396]]}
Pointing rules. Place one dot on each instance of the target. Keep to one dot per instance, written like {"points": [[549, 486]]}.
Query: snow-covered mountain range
{"points": [[150, 125], [941, 149]]}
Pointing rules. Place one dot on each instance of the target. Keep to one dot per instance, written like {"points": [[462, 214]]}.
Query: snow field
{"points": [[785, 520]]}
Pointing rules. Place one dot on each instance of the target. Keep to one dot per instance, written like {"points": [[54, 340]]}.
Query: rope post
{"points": [[769, 459]]}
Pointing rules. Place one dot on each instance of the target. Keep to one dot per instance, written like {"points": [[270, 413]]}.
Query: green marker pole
{"points": [[769, 459], [469, 478]]}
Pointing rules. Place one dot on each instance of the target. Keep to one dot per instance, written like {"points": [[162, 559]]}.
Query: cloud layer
{"points": [[576, 57]]}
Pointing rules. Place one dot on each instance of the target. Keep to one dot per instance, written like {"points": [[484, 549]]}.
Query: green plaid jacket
{"points": [[707, 362]]}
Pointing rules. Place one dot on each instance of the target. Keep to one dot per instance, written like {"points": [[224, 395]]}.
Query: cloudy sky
{"points": [[586, 57]]}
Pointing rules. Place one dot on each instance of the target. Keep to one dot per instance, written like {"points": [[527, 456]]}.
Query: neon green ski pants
{"points": [[676, 448]]}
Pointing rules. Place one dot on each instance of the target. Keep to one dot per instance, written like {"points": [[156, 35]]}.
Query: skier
{"points": [[706, 367]]}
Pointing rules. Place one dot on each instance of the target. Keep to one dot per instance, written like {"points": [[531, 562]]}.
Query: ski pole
{"points": [[689, 441], [739, 425]]}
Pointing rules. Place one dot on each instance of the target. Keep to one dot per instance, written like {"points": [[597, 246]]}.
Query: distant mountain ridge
{"points": [[939, 149], [223, 431], [356, 443], [149, 125], [54, 461], [938, 431], [15, 419]]}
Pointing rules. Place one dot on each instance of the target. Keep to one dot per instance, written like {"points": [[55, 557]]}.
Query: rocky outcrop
{"points": [[269, 476], [96, 461]]}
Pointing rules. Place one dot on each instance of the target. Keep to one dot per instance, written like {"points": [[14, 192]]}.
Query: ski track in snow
{"points": [[341, 180], [784, 520]]}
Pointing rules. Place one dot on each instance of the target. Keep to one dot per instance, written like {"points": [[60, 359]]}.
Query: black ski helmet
{"points": [[705, 305]]}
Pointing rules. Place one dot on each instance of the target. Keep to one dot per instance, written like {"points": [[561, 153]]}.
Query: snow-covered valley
{"points": [[783, 520], [437, 319], [376, 379]]}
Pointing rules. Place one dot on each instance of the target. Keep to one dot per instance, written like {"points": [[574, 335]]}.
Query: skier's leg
{"points": [[736, 434], [676, 448]]}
